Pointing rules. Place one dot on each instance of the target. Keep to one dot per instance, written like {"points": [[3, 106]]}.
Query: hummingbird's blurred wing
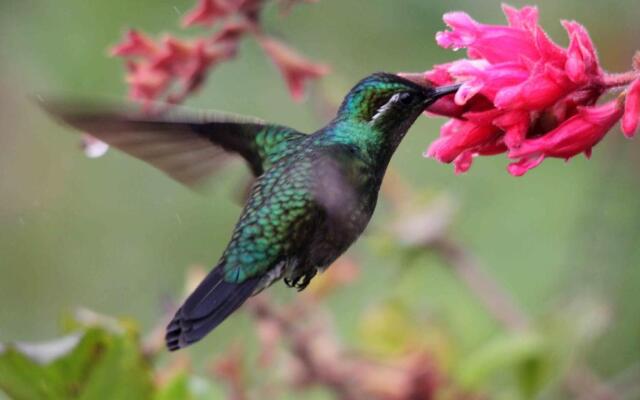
{"points": [[188, 145]]}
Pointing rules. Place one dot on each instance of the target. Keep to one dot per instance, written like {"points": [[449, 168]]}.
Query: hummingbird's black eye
{"points": [[405, 98]]}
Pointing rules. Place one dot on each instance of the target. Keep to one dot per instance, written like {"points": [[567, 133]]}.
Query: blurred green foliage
{"points": [[102, 359], [116, 236], [101, 365]]}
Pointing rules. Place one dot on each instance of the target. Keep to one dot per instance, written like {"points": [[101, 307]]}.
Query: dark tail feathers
{"points": [[210, 304]]}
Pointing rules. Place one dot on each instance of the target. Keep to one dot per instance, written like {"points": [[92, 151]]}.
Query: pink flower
{"points": [[523, 94], [295, 69], [168, 70], [171, 69]]}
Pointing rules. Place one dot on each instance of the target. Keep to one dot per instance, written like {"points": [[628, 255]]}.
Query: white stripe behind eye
{"points": [[386, 106]]}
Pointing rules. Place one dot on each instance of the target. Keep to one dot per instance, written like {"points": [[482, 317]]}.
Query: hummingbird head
{"points": [[389, 102]]}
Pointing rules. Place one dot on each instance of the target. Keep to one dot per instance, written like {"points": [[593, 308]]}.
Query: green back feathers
{"points": [[276, 142]]}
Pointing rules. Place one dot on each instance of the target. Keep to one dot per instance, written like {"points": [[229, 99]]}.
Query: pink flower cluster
{"points": [[524, 95], [171, 69]]}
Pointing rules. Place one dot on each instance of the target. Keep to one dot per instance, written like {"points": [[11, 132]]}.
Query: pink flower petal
{"points": [[463, 162], [465, 31], [525, 18], [582, 35], [515, 124], [295, 69], [576, 135], [548, 49], [456, 136], [582, 61], [208, 12], [523, 166], [545, 86], [488, 79], [576, 67], [494, 43], [134, 44], [631, 116], [439, 75]]}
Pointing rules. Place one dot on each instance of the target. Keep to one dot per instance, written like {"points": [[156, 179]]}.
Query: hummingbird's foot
{"points": [[300, 282]]}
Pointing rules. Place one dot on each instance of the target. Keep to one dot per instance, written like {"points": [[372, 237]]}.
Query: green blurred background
{"points": [[116, 236]]}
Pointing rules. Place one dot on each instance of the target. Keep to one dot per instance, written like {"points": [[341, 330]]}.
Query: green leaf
{"points": [[184, 386], [176, 388], [97, 363], [524, 357]]}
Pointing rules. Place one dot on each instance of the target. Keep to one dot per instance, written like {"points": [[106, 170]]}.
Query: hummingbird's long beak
{"points": [[441, 91], [434, 92]]}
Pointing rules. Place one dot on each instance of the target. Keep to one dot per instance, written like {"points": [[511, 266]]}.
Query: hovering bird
{"points": [[313, 195]]}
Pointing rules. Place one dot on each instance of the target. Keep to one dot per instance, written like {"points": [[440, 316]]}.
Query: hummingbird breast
{"points": [[331, 240], [347, 192]]}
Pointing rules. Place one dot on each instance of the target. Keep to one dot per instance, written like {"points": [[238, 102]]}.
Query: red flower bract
{"points": [[523, 94]]}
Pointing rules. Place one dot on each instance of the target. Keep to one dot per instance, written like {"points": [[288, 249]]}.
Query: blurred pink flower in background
{"points": [[153, 68], [295, 69], [524, 95], [171, 69]]}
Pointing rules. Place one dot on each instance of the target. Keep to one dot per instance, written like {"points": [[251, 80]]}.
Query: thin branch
{"points": [[336, 378]]}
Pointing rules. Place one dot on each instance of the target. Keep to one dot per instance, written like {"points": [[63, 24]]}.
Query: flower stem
{"points": [[621, 79]]}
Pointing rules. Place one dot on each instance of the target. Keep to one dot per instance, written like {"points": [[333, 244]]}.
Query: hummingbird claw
{"points": [[300, 282]]}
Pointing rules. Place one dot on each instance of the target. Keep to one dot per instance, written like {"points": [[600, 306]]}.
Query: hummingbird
{"points": [[312, 197]]}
